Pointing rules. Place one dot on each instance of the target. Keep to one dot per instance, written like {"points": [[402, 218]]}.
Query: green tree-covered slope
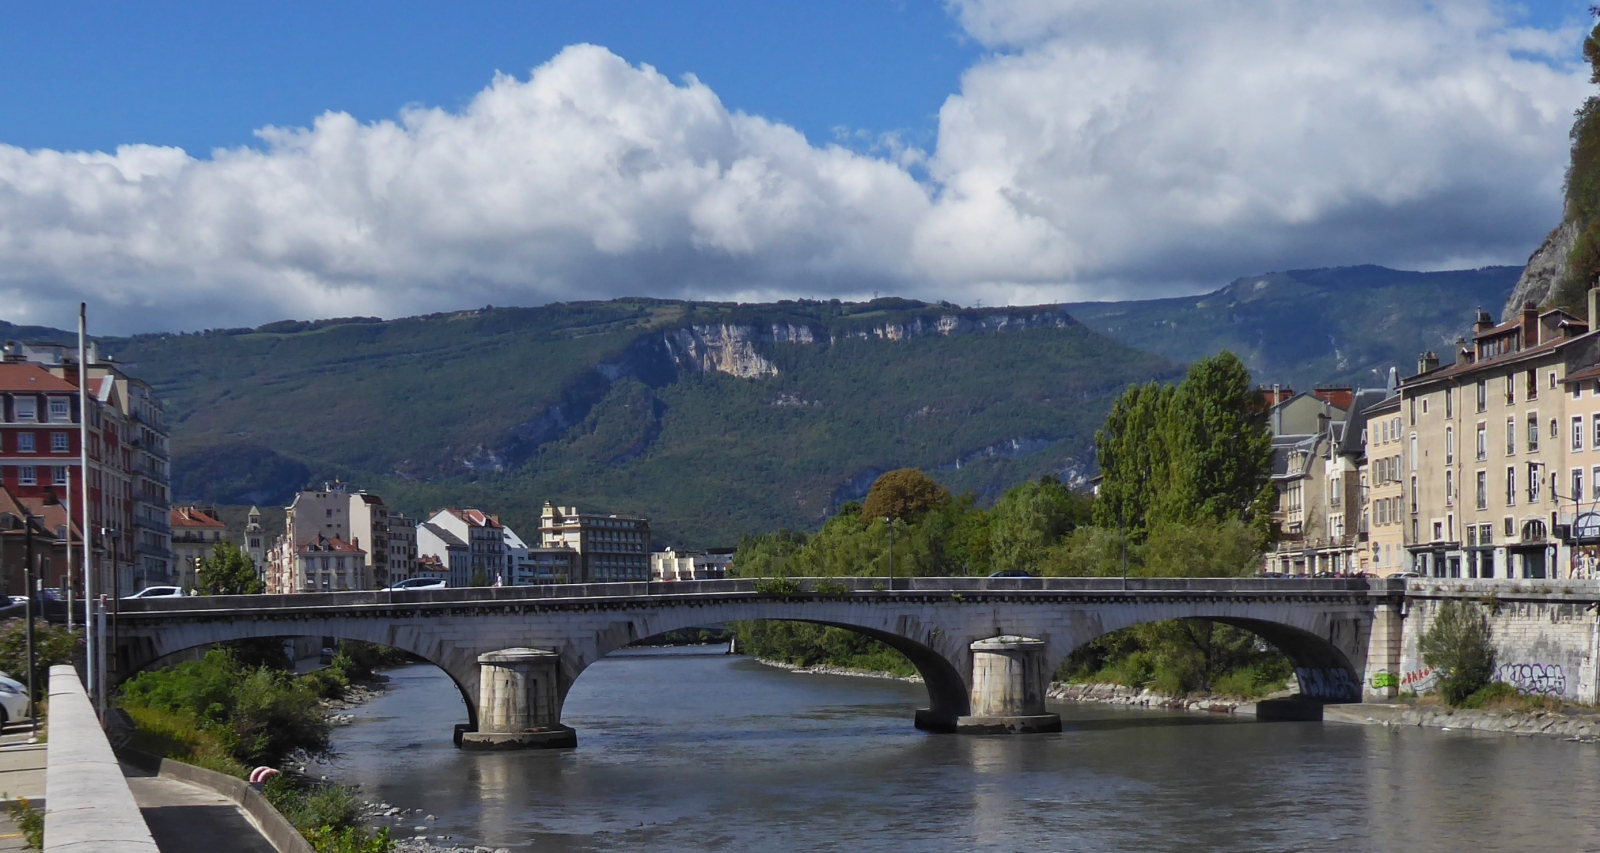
{"points": [[1301, 327]]}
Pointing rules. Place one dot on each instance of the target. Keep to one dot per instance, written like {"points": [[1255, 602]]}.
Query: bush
{"points": [[805, 644], [28, 819], [777, 586], [54, 644], [1458, 644], [329, 816]]}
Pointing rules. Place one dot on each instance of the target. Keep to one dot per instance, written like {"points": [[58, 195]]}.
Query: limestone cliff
{"points": [[1547, 266], [721, 348]]}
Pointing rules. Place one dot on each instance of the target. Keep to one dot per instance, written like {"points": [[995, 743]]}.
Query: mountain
{"points": [[1303, 327], [719, 419], [712, 419]]}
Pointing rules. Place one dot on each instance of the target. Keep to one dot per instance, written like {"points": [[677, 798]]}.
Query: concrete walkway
{"points": [[185, 818]]}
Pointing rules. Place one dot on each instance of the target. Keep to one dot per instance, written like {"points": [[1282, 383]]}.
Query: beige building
{"points": [[1485, 448], [195, 531], [402, 548], [672, 565], [1385, 493], [610, 548], [1319, 470], [369, 529], [328, 564]]}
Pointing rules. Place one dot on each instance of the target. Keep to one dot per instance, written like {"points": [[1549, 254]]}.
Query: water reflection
{"points": [[705, 752]]}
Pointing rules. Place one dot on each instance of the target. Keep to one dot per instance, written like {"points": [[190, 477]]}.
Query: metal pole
{"points": [[890, 523], [100, 655], [1122, 528], [33, 657], [91, 649], [68, 505], [27, 612]]}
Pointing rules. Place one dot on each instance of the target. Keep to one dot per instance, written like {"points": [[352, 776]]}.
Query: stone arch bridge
{"points": [[985, 647]]}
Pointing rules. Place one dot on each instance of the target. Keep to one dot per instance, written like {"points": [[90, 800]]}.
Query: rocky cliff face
{"points": [[1547, 266], [722, 348]]}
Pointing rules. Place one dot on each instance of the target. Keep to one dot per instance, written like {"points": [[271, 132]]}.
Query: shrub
{"points": [[28, 819], [827, 587], [54, 644], [329, 816], [1459, 645], [777, 586]]}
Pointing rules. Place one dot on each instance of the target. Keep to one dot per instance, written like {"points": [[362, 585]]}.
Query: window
{"points": [[1424, 409], [27, 475], [1413, 493], [1555, 431], [1449, 402], [27, 409], [59, 442], [1577, 391], [58, 475], [1577, 434], [1577, 484], [1509, 529], [1594, 484], [1511, 436], [1483, 441], [1534, 482], [330, 513], [1533, 385], [1438, 531], [1413, 402], [1511, 386], [1552, 380], [1472, 536], [1483, 490], [1533, 432], [1449, 445], [1449, 488], [1485, 534], [1594, 427], [1511, 486], [1483, 395], [59, 410], [1413, 451], [61, 533], [25, 442]]}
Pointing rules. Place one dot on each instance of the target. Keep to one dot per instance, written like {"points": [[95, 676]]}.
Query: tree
{"points": [[1460, 646], [1134, 458], [227, 571], [1030, 518], [1583, 192], [903, 494], [1218, 444]]}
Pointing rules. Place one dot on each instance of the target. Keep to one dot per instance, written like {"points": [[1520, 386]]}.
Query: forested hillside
{"points": [[1301, 327]]}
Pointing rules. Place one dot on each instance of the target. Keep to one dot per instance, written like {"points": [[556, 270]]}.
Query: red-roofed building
{"points": [[128, 478], [328, 564], [47, 524], [195, 532]]}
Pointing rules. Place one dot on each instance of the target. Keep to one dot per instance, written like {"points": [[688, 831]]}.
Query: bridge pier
{"points": [[517, 703], [1009, 678]]}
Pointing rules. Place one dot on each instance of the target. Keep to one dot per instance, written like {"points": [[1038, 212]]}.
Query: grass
{"points": [[28, 819]]}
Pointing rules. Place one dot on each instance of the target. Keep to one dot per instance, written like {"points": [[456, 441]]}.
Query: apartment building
{"points": [[328, 564], [609, 548], [369, 529], [441, 553], [1485, 448], [128, 480], [402, 548], [51, 533], [1318, 469], [195, 532], [485, 541], [1386, 494]]}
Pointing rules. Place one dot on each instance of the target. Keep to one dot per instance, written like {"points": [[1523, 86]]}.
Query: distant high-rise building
{"points": [[609, 548]]}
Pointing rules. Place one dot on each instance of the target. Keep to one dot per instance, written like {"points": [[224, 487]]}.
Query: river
{"points": [[691, 750]]}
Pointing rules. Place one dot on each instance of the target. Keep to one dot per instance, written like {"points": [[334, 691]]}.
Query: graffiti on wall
{"points": [[1331, 683], [1419, 680], [1537, 679], [1383, 679]]}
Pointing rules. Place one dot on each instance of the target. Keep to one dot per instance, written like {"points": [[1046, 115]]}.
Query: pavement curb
{"points": [[271, 823]]}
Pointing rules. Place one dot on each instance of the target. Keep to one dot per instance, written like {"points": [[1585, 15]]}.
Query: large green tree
{"points": [[228, 571], [1029, 519], [1583, 192], [1134, 460]]}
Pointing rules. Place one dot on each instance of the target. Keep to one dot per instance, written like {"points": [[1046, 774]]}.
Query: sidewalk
{"points": [[184, 818], [21, 775]]}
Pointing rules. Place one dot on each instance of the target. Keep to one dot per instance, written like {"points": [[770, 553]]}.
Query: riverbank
{"points": [[830, 669], [1573, 725]]}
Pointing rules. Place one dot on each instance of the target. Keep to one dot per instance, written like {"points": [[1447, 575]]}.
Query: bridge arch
{"points": [[137, 654], [1328, 656]]}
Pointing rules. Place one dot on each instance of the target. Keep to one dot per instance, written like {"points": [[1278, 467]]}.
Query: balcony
{"points": [[152, 524], [151, 551]]}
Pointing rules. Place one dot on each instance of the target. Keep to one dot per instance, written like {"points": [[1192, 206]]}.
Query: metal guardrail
{"points": [[88, 806]]}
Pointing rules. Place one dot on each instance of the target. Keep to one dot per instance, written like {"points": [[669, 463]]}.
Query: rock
{"points": [[1547, 266]]}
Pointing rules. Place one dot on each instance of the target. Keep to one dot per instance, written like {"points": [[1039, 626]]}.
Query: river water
{"points": [[695, 750]]}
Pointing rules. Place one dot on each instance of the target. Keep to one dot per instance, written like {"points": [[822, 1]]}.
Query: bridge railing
{"points": [[744, 586], [88, 807]]}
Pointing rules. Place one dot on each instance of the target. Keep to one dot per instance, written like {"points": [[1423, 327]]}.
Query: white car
{"points": [[157, 592], [13, 699], [418, 583]]}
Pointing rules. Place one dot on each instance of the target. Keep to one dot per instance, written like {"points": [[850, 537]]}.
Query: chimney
{"points": [[1484, 322], [1428, 361], [1530, 325], [1465, 354]]}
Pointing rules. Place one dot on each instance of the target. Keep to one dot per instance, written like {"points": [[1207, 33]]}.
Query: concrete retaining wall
{"points": [[89, 808], [1545, 633]]}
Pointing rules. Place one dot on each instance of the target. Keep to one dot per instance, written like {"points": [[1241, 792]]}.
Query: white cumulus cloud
{"points": [[1100, 148]]}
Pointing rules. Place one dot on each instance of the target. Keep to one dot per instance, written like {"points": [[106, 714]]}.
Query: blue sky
{"points": [[77, 75], [1008, 151]]}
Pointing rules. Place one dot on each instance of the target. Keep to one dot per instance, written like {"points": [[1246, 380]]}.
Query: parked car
{"points": [[418, 583], [156, 592], [13, 699], [1010, 573], [1405, 575]]}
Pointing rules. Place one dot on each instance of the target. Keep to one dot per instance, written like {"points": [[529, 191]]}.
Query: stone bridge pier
{"points": [[985, 647]]}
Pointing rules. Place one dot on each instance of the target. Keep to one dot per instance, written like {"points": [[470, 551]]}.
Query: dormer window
{"points": [[27, 409], [60, 410]]}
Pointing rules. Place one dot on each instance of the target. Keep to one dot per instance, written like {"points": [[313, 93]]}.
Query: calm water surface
{"points": [[695, 750]]}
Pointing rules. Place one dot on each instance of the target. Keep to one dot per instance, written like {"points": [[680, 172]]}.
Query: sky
{"points": [[187, 166]]}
